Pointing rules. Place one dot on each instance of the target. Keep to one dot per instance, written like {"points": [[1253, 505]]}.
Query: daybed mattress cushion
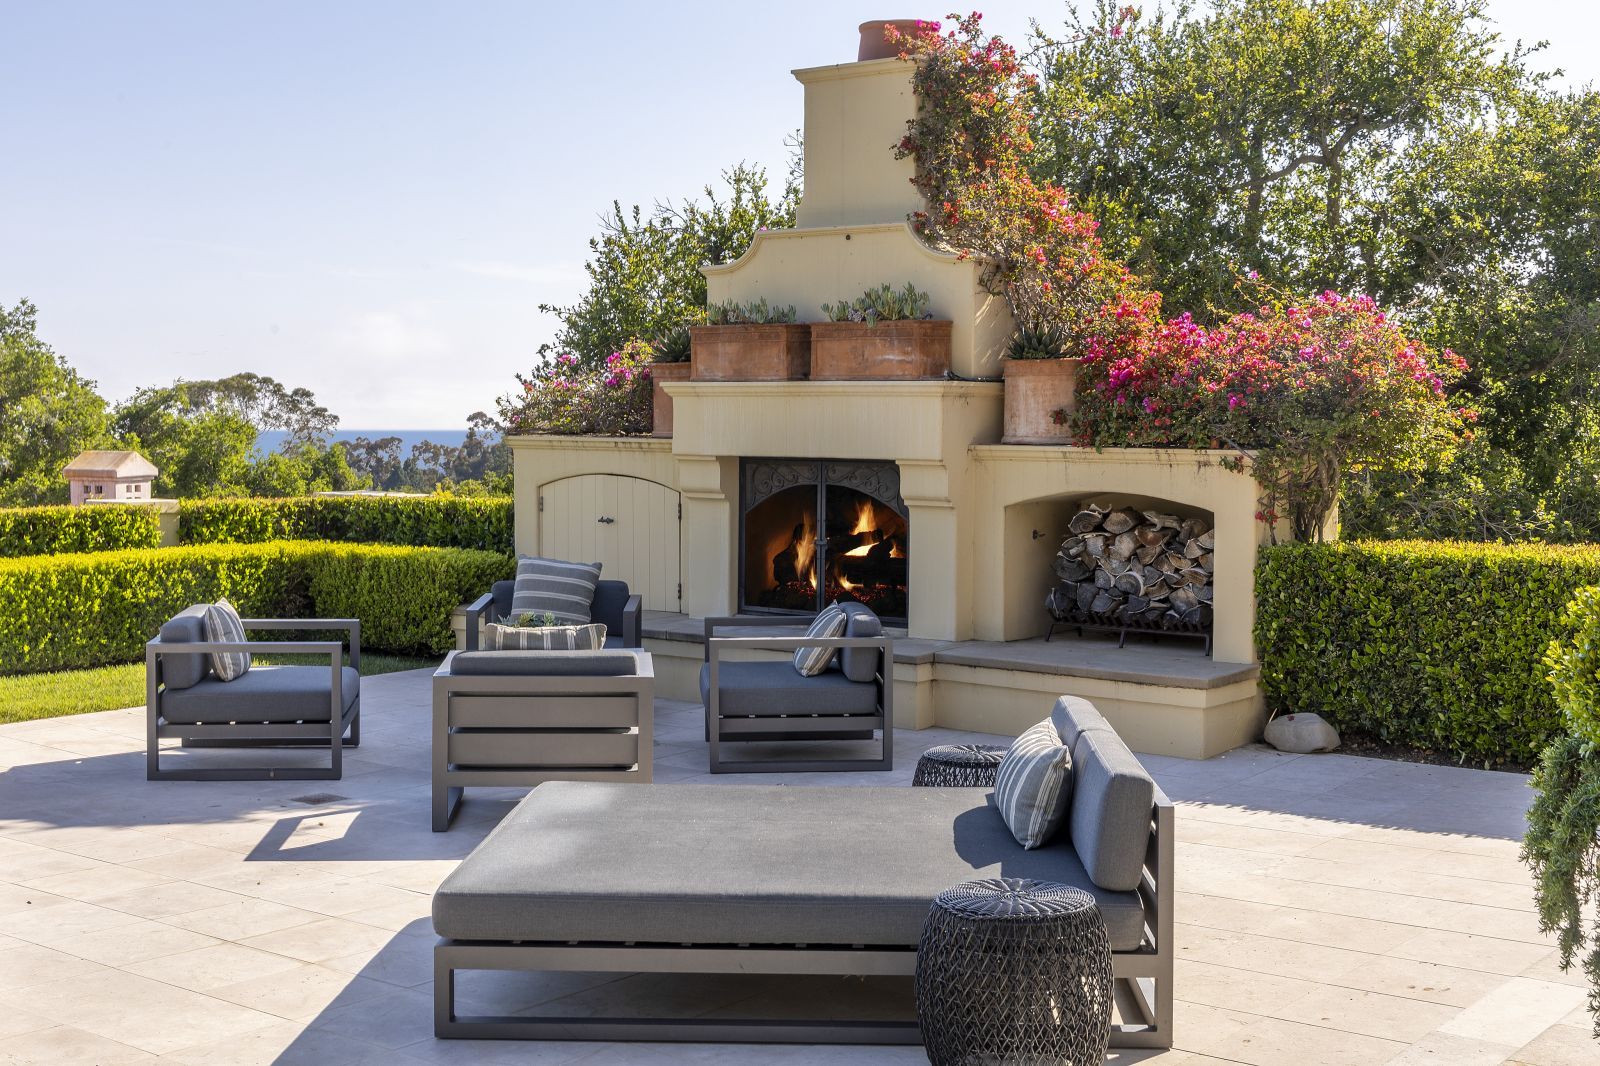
{"points": [[710, 864], [262, 694]]}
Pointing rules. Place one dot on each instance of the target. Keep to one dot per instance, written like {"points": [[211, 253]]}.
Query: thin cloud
{"points": [[559, 274]]}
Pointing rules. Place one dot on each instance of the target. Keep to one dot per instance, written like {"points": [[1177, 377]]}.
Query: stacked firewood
{"points": [[1136, 568]]}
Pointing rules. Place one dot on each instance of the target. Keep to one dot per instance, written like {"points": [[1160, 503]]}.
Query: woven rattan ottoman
{"points": [[958, 766], [1014, 971]]}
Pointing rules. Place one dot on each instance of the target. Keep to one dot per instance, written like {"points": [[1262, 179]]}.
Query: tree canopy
{"points": [[48, 413]]}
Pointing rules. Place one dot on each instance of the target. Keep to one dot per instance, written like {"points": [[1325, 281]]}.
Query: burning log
{"points": [[1121, 566]]}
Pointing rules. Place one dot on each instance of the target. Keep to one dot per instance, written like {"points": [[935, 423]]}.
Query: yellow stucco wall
{"points": [[855, 114]]}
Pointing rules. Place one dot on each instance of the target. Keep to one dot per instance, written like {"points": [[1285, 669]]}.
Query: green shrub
{"points": [[90, 609], [1440, 645], [483, 523], [56, 530]]}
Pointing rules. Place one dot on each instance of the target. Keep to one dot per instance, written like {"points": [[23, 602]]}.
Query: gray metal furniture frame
{"points": [[624, 623], [1143, 978], [520, 730], [259, 734], [821, 725]]}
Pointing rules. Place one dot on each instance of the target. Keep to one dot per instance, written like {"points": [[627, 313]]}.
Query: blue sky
{"points": [[371, 199]]}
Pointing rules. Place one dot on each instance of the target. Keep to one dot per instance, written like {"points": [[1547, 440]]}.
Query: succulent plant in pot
{"points": [[755, 341], [669, 362], [1041, 383], [883, 333]]}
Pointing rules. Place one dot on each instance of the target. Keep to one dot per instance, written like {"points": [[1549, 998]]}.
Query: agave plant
{"points": [[1038, 341], [672, 346], [882, 304], [757, 313]]}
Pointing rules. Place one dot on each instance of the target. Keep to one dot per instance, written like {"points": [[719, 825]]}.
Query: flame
{"points": [[806, 553]]}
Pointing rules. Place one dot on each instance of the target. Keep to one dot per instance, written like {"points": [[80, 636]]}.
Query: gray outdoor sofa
{"points": [[689, 878]]}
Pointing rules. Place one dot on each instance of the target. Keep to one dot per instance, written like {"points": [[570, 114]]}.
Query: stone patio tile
{"points": [[284, 1044], [15, 899], [1548, 968], [19, 1022], [324, 938], [1427, 981], [1559, 1045], [1442, 1049], [1274, 1042], [1515, 1012], [66, 1044], [1365, 1013], [134, 1010], [125, 944], [302, 993], [1289, 923], [23, 964], [1486, 954], [1233, 988], [1247, 837], [394, 1019], [167, 899], [101, 879], [1440, 883], [66, 921], [213, 966], [1426, 860], [243, 919]]}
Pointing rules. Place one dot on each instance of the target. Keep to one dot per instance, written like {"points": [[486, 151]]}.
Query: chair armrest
{"points": [[884, 644], [475, 611], [270, 647], [749, 620], [350, 625], [631, 636]]}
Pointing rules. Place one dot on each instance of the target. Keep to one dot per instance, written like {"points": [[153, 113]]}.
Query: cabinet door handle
{"points": [[606, 521]]}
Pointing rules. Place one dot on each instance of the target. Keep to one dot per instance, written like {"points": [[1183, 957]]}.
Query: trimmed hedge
{"points": [[56, 530], [483, 523], [91, 609], [1440, 645]]}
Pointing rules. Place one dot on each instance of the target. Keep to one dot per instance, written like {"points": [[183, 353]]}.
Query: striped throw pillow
{"points": [[829, 623], [564, 591], [1034, 785], [545, 638], [223, 624]]}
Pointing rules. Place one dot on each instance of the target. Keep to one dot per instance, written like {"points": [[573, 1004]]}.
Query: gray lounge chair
{"points": [[520, 718], [613, 605], [268, 707], [678, 879], [770, 701]]}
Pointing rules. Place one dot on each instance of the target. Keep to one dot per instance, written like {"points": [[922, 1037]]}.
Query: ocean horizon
{"points": [[270, 440]]}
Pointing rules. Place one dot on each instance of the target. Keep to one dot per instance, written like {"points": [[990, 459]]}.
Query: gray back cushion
{"points": [[547, 663], [1112, 798], [610, 597], [1074, 714], [860, 664], [188, 626]]}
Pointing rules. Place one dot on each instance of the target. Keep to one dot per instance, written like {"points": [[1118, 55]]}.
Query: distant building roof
{"points": [[111, 464]]}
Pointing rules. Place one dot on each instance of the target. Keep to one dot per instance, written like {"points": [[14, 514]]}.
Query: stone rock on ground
{"points": [[1301, 734]]}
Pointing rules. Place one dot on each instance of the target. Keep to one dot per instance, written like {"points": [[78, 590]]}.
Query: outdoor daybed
{"points": [[680, 878]]}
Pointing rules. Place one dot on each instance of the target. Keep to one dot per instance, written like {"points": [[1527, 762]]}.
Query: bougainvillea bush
{"points": [[563, 397], [1306, 389], [971, 141], [1301, 390]]}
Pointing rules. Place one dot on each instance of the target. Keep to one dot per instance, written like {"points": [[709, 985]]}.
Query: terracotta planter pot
{"points": [[1035, 390], [751, 353], [660, 402], [855, 351], [873, 46]]}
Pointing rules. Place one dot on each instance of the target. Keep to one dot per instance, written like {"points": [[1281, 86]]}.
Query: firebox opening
{"points": [[816, 533]]}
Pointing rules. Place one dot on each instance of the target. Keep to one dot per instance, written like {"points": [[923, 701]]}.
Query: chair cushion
{"points": [[829, 623], [860, 664], [556, 588], [546, 663], [1112, 798], [1033, 786], [762, 864], [610, 597], [188, 626], [223, 624], [264, 694], [544, 638], [763, 689]]}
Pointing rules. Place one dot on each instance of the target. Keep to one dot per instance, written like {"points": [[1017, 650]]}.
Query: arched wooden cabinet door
{"points": [[628, 524]]}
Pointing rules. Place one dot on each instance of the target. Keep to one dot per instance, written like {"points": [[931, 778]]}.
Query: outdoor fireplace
{"points": [[816, 531]]}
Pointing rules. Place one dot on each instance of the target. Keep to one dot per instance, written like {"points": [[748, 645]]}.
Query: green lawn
{"points": [[29, 696]]}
